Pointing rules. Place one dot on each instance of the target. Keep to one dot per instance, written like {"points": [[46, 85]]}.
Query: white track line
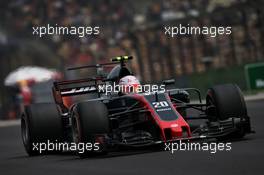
{"points": [[6, 123], [259, 96]]}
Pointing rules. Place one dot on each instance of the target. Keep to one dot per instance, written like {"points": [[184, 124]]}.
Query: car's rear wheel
{"points": [[40, 123], [225, 102], [90, 125]]}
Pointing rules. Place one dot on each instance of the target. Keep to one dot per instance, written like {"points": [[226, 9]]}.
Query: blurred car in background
{"points": [[29, 85]]}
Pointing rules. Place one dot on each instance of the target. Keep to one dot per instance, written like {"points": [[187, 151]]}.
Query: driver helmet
{"points": [[129, 84]]}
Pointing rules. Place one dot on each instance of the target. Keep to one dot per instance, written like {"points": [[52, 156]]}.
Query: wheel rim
{"points": [[75, 130], [210, 104], [25, 131]]}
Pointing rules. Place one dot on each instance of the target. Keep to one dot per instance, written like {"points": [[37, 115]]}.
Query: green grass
{"points": [[212, 77]]}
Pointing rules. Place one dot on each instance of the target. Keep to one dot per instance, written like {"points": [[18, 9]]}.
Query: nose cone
{"points": [[176, 130]]}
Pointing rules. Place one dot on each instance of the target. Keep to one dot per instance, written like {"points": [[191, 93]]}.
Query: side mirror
{"points": [[100, 72]]}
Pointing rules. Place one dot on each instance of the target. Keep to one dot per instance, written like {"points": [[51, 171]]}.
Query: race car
{"points": [[113, 120]]}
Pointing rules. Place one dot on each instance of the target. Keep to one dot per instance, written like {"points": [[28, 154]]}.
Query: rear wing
{"points": [[84, 86], [75, 87]]}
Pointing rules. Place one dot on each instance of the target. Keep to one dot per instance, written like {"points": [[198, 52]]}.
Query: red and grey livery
{"points": [[133, 120]]}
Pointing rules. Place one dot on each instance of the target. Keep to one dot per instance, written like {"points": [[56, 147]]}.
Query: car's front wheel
{"points": [[225, 102]]}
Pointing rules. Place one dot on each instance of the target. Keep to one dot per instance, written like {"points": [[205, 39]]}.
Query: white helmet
{"points": [[129, 84]]}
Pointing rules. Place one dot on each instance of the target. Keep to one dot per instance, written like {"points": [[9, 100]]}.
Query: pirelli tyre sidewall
{"points": [[40, 123], [89, 122], [228, 102]]}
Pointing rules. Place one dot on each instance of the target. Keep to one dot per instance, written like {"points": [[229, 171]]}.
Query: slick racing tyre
{"points": [[225, 102], [90, 124], [40, 123]]}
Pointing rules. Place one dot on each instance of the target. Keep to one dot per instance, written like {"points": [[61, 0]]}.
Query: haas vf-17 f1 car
{"points": [[132, 119]]}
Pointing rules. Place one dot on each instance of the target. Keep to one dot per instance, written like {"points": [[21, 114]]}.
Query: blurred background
{"points": [[132, 27]]}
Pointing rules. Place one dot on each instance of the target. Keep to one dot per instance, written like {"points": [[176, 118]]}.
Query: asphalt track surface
{"points": [[246, 157]]}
